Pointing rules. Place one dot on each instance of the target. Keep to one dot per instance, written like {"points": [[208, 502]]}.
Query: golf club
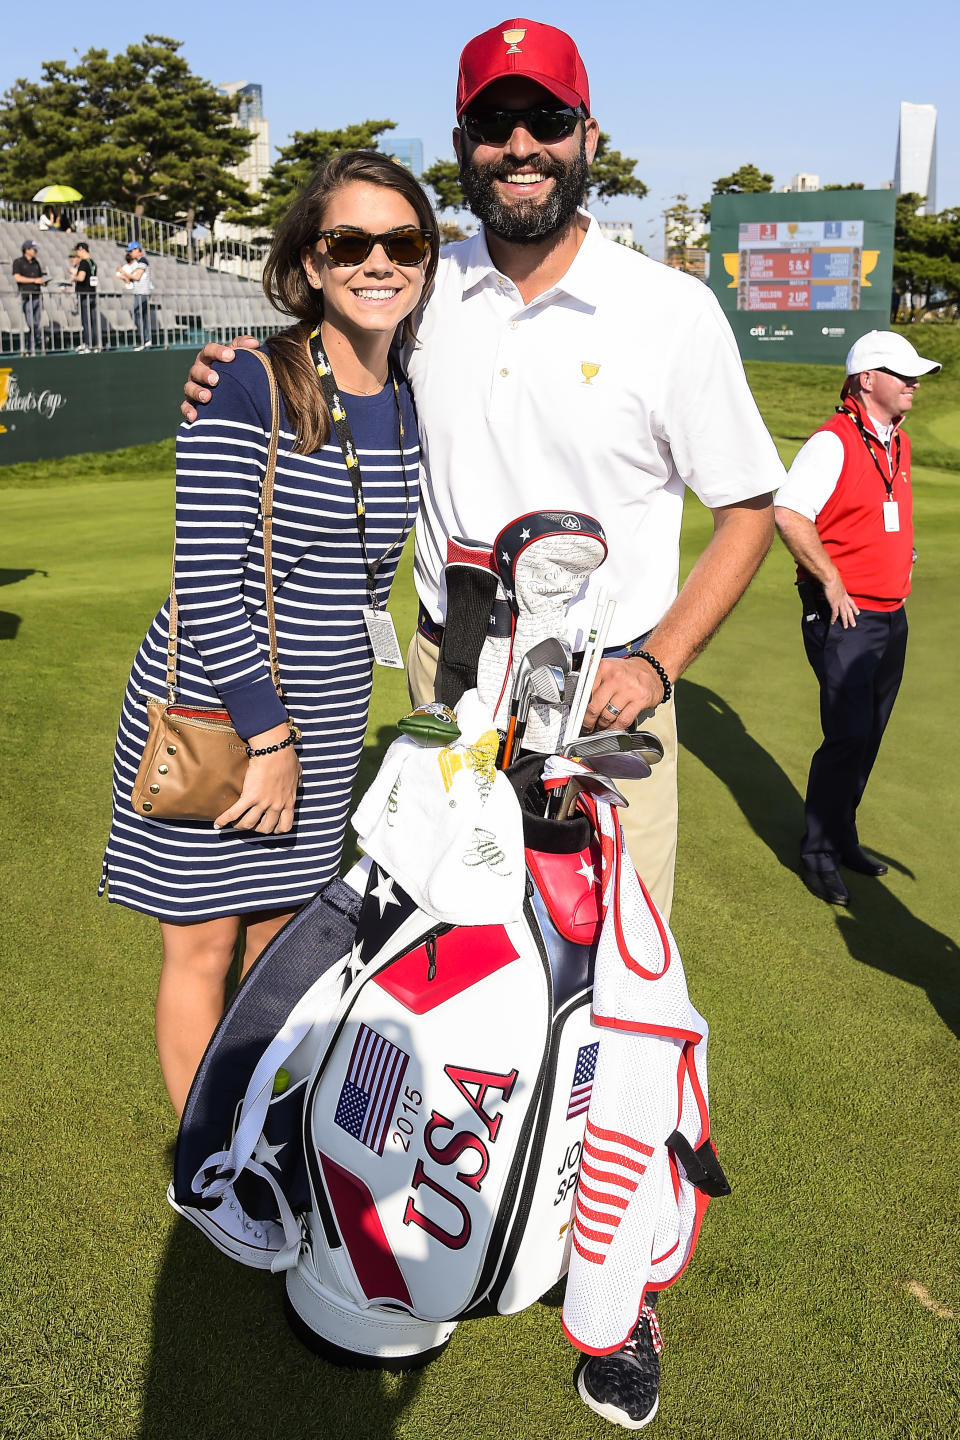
{"points": [[588, 781], [588, 672], [614, 742], [539, 656]]}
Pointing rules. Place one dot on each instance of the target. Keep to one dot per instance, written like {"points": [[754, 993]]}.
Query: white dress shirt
{"points": [[608, 394]]}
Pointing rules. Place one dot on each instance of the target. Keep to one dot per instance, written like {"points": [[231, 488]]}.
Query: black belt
{"points": [[430, 630]]}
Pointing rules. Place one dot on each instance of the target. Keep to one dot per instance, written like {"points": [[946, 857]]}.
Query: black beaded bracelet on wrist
{"points": [[664, 677], [291, 739]]}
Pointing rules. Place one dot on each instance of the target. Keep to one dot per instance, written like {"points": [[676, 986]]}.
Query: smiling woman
{"points": [[351, 260]]}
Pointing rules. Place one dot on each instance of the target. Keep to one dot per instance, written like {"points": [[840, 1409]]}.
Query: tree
{"points": [[747, 180], [612, 174], [682, 227], [139, 131], [443, 178], [926, 257], [296, 162], [853, 185]]}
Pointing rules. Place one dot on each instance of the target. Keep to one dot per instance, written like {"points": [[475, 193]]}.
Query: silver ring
{"points": [[612, 708]]}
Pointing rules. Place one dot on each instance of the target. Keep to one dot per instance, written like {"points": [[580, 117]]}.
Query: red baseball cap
{"points": [[523, 47]]}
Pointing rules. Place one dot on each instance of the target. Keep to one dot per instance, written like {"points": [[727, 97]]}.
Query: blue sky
{"points": [[691, 90]]}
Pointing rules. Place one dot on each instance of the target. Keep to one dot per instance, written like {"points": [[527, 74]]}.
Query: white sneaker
{"points": [[230, 1228], [82, 350]]}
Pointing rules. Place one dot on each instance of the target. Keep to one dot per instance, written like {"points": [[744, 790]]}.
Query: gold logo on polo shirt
{"points": [[588, 369], [513, 38]]}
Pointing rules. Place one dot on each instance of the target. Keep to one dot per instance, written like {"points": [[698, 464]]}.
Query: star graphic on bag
{"points": [[355, 963], [384, 891], [266, 1154], [587, 871]]}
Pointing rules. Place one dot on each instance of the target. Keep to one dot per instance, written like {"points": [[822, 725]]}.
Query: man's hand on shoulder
{"points": [[201, 378]]}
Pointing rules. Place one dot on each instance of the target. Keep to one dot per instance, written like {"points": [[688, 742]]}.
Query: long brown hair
{"points": [[287, 288]]}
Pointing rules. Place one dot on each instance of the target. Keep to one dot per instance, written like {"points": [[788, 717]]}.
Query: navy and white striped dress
{"points": [[186, 870]]}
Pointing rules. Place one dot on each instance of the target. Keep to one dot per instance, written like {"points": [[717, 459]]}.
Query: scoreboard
{"points": [[801, 276], [799, 265]]}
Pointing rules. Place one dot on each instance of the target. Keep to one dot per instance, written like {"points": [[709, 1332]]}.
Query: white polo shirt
{"points": [[607, 394]]}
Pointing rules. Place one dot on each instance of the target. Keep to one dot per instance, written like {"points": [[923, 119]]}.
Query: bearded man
{"points": [[554, 369]]}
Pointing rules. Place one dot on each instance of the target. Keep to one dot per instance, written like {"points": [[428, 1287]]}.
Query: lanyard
{"points": [[866, 437], [344, 434]]}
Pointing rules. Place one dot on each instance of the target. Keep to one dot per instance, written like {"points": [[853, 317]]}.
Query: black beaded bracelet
{"points": [[291, 739], [664, 677]]}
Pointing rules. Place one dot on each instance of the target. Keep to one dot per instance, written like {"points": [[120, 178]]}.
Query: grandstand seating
{"points": [[190, 303]]}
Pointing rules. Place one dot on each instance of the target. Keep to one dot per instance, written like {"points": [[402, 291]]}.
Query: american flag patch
{"points": [[583, 1074], [370, 1090], [610, 1171]]}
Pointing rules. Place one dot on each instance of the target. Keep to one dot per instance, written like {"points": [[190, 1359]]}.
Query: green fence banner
{"points": [[54, 405], [801, 276]]}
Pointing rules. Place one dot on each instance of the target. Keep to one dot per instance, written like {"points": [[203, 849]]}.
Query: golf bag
{"points": [[406, 1103]]}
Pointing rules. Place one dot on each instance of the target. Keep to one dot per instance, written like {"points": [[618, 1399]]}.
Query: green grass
{"points": [[833, 1071]]}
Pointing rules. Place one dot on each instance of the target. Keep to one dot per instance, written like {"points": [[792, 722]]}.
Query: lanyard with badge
{"points": [[380, 627], [891, 509]]}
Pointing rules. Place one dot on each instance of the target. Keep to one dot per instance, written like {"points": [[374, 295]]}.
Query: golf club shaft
{"points": [[590, 673], [569, 733]]}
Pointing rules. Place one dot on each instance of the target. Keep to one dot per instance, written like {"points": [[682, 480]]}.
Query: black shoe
{"points": [[624, 1387], [825, 884], [864, 864]]}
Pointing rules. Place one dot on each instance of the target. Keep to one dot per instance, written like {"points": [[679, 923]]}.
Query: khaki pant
{"points": [[650, 823]]}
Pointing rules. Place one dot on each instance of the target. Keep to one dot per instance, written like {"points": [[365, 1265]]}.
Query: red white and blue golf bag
{"points": [[425, 1145]]}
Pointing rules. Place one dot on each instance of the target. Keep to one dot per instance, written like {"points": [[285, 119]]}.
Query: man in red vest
{"points": [[845, 514]]}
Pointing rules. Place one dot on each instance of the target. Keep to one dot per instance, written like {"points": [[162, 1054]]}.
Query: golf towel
{"points": [[447, 826], [648, 1167]]}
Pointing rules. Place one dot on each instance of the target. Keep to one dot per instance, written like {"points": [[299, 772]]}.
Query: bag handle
{"points": [[266, 511]]}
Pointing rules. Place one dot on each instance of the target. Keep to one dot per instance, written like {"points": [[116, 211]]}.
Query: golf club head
{"points": [[623, 765], [616, 742], [604, 788]]}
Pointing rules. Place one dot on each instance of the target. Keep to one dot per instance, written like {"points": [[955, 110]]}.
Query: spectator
{"points": [[83, 273], [48, 219], [65, 223], [135, 274], [30, 280]]}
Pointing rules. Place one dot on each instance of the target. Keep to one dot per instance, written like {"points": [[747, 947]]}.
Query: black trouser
{"points": [[32, 306], [89, 320], [859, 670]]}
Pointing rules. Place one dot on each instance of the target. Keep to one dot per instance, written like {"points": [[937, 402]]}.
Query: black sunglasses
{"points": [[405, 246], [904, 379], [546, 123]]}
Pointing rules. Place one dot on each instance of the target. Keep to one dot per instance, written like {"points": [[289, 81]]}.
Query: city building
{"points": [[915, 170], [255, 166], [801, 182], [408, 152], [621, 230]]}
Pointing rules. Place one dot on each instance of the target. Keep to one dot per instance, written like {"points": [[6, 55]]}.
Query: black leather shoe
{"points": [[825, 884], [863, 863]]}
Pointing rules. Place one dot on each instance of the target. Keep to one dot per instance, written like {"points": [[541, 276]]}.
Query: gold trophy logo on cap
{"points": [[588, 369], [513, 38]]}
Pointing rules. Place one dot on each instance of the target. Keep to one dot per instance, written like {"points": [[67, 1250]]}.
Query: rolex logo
{"points": [[513, 38]]}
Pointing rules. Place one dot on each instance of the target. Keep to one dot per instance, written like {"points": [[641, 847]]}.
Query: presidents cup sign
{"points": [[15, 398]]}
